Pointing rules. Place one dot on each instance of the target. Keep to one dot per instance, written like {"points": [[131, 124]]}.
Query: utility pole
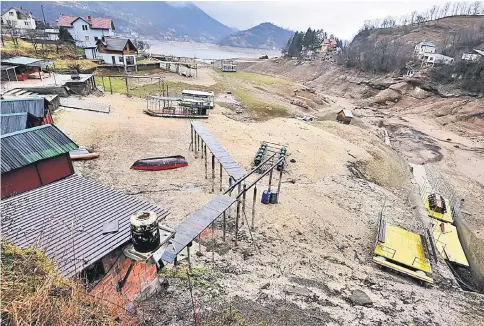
{"points": [[45, 25]]}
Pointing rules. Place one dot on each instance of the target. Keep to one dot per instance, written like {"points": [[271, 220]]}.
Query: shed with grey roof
{"points": [[32, 105], [13, 122], [65, 219]]}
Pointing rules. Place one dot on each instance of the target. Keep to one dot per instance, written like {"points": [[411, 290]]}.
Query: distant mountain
{"points": [[156, 19], [263, 36]]}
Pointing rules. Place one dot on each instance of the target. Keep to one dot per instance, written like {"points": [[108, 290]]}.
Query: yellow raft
{"points": [[401, 250], [448, 244]]}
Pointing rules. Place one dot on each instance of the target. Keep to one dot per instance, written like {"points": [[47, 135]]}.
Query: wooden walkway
{"points": [[194, 225], [224, 158]]}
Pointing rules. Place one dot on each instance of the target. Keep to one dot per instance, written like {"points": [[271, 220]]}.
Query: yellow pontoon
{"points": [[448, 244], [401, 250]]}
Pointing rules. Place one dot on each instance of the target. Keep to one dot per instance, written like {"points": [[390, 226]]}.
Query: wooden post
{"points": [[253, 205], [225, 225], [191, 136], [104, 87], [188, 257], [270, 180], [279, 185], [213, 242], [213, 173], [243, 202], [237, 220], [220, 177], [110, 85], [204, 149], [127, 89], [230, 193]]}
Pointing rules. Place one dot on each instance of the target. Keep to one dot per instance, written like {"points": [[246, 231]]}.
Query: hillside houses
{"points": [[18, 19], [86, 31]]}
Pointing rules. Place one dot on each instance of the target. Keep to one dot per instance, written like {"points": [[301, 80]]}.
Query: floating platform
{"points": [[402, 251], [448, 243], [445, 217]]}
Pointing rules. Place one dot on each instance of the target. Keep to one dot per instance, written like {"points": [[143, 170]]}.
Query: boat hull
{"points": [[160, 163]]}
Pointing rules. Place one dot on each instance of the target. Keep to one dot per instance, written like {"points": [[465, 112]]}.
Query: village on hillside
{"points": [[142, 188]]}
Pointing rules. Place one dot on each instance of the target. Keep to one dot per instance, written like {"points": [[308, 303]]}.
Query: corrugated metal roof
{"points": [[65, 219], [32, 105], [13, 122], [20, 60], [116, 43], [27, 146], [427, 43], [347, 113], [195, 224]]}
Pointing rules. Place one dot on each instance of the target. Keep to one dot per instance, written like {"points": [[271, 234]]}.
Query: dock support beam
{"points": [[224, 225], [213, 173], [243, 202], [220, 177], [237, 216], [204, 149], [279, 185], [270, 180], [188, 257], [213, 242], [253, 205]]}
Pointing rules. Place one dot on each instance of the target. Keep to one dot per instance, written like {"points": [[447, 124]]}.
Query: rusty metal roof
{"points": [[13, 122], [30, 145], [194, 225], [65, 219]]}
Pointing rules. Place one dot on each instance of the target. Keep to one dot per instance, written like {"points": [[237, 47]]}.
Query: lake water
{"points": [[207, 51]]}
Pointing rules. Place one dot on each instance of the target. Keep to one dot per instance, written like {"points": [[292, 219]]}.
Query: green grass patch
{"points": [[259, 110], [257, 79], [66, 64]]}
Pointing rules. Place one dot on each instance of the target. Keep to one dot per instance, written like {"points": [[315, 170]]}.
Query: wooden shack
{"points": [[344, 116]]}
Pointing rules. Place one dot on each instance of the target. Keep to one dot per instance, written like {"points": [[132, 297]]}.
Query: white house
{"points": [[86, 31], [18, 18], [116, 51], [473, 56], [424, 47], [430, 59]]}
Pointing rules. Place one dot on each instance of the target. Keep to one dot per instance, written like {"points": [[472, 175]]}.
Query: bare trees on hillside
{"points": [[475, 8]]}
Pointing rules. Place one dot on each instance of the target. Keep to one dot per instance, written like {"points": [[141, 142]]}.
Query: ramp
{"points": [[194, 225], [84, 104], [228, 163]]}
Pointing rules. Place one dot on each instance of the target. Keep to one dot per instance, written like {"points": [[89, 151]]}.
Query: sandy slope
{"points": [[314, 248]]}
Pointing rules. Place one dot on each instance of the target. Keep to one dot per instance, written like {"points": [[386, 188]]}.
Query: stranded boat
{"points": [[82, 154], [160, 163]]}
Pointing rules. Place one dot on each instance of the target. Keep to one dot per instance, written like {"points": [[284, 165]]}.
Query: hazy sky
{"points": [[342, 18]]}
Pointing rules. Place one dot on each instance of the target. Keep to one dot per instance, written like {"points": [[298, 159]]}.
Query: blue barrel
{"points": [[266, 197]]}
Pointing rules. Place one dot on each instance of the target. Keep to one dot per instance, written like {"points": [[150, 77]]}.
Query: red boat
{"points": [[160, 163]]}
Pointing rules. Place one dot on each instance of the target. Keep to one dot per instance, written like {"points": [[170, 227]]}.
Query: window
{"points": [[84, 27], [96, 38], [87, 38], [10, 13], [26, 23], [121, 59]]}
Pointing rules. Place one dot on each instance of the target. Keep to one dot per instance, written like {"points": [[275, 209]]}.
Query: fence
{"points": [[139, 86]]}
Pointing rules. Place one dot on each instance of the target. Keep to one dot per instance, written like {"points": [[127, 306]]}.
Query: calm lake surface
{"points": [[207, 51]]}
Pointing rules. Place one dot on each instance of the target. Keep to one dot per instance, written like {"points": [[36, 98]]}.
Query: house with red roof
{"points": [[86, 31]]}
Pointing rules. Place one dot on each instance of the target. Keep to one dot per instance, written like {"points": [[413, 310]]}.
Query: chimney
{"points": [[89, 18]]}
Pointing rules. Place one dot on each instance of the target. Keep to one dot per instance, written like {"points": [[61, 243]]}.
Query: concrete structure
{"points": [[86, 31], [424, 47], [34, 157], [117, 51], [476, 56], [431, 59], [18, 19]]}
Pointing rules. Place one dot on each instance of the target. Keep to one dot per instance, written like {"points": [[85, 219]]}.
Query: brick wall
{"points": [[143, 277]]}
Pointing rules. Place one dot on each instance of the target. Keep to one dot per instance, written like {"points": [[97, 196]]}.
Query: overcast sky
{"points": [[341, 18]]}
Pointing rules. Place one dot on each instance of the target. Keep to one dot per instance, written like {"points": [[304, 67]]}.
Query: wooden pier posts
{"points": [[224, 225], [270, 180], [254, 199], [243, 202], [220, 177], [279, 185], [237, 216], [206, 160], [213, 173]]}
